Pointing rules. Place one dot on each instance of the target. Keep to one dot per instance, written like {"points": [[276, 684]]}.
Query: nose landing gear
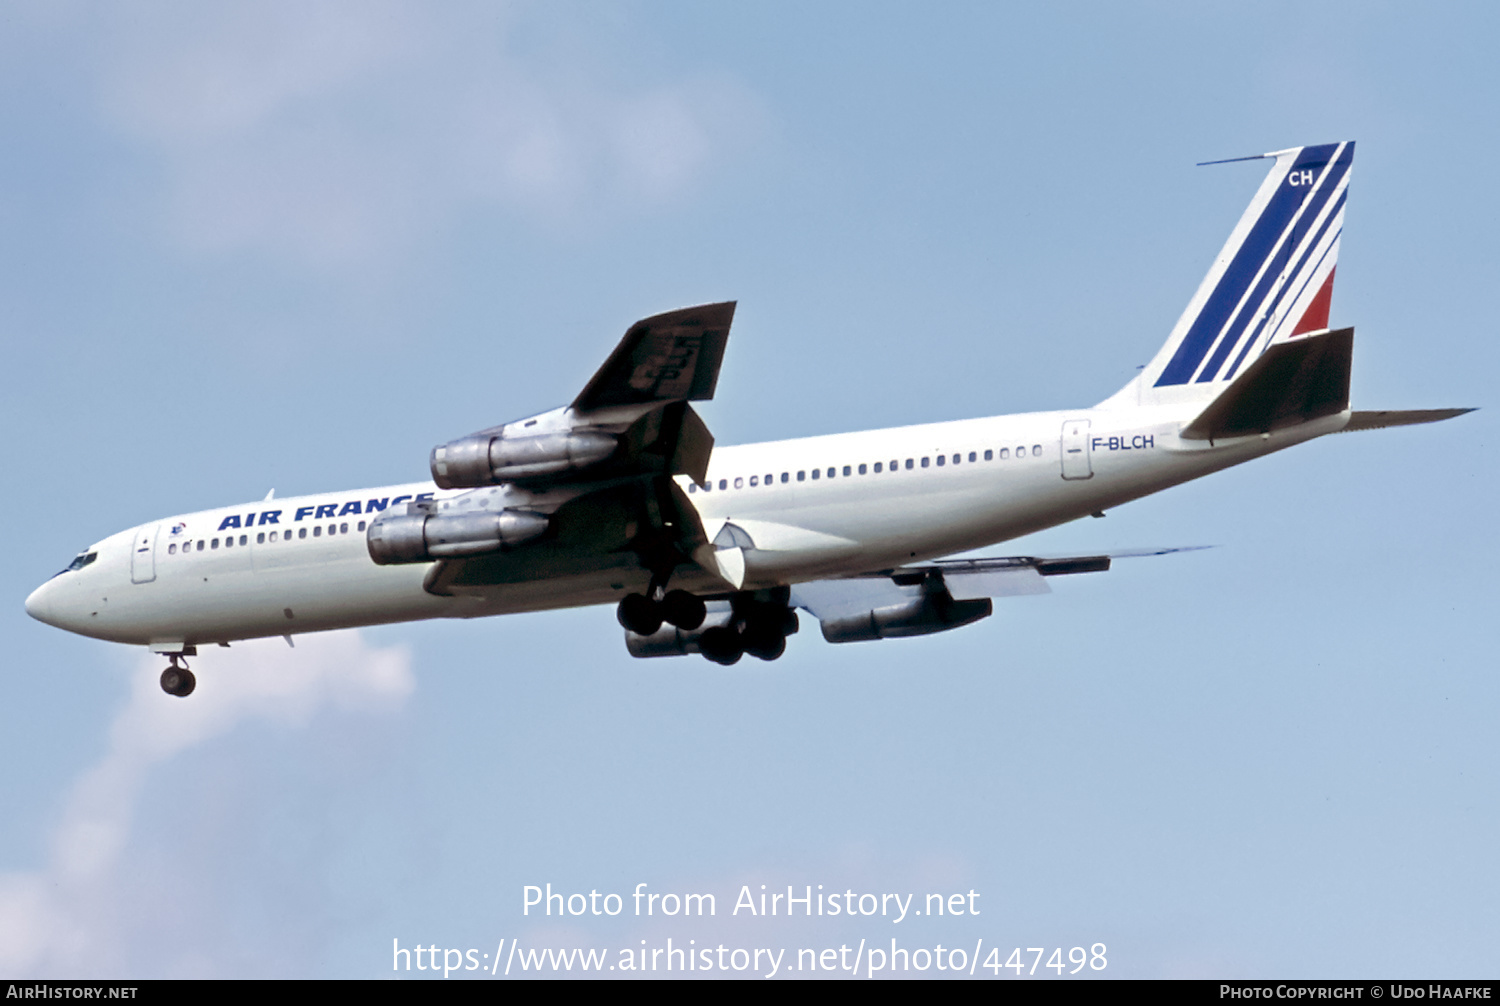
{"points": [[177, 679]]}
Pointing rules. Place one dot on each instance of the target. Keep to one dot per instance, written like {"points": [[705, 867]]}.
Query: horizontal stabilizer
{"points": [[1292, 382], [1390, 417]]}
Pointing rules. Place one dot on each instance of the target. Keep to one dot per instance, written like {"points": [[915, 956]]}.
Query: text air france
{"points": [[319, 511]]}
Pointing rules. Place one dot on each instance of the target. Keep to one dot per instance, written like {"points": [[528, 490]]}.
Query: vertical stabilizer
{"points": [[1272, 281]]}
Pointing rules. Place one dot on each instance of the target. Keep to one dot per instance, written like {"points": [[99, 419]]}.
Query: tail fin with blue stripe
{"points": [[1272, 281]]}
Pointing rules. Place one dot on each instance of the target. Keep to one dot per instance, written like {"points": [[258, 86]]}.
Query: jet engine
{"points": [[423, 534], [935, 612], [494, 456]]}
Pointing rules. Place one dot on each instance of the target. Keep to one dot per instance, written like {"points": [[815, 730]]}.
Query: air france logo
{"points": [[321, 511], [1301, 178]]}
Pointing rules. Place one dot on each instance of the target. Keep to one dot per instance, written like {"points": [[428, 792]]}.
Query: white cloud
{"points": [[68, 918], [338, 134]]}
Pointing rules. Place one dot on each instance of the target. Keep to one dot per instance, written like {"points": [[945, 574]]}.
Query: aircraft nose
{"points": [[39, 604]]}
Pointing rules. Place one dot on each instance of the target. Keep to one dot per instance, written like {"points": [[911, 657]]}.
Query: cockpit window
{"points": [[82, 560]]}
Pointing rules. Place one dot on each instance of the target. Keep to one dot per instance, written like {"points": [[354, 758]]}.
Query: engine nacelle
{"points": [[919, 617], [423, 534], [490, 458]]}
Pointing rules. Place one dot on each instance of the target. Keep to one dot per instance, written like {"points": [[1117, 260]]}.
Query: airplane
{"points": [[622, 497]]}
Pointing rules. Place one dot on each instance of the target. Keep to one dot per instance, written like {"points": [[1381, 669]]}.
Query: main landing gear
{"points": [[643, 614], [755, 622], [756, 627], [177, 679]]}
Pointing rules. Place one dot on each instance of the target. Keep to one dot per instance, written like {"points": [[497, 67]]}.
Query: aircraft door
{"points": [[143, 554], [1075, 450]]}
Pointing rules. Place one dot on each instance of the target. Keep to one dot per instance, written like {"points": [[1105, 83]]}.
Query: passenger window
{"points": [[1036, 450], [909, 464], [862, 469], [214, 543], [260, 539], [1004, 453], [302, 532], [785, 476], [817, 472], [989, 455], [723, 483], [343, 529], [229, 541], [973, 457], [754, 481], [361, 525], [1021, 451], [244, 539], [739, 483], [957, 458], [832, 472], [924, 462], [273, 535], [768, 479], [318, 531], [200, 545], [877, 468], [942, 460], [846, 471], [171, 549], [692, 487], [802, 476]]}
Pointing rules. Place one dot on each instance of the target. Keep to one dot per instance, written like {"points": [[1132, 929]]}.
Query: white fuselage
{"points": [[879, 499]]}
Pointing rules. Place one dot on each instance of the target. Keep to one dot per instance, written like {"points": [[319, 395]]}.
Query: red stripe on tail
{"points": [[1315, 318]]}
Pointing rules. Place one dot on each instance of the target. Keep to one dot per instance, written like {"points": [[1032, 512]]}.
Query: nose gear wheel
{"points": [[177, 679]]}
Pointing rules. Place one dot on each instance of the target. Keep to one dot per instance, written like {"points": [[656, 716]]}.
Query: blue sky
{"points": [[292, 246]]}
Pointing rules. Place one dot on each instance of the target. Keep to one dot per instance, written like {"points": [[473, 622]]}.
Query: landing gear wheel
{"points": [[721, 644], [178, 681], [768, 648], [684, 610], [764, 638], [639, 614]]}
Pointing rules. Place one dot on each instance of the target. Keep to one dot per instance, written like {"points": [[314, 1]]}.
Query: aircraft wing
{"points": [[631, 420], [671, 357], [589, 486], [662, 363], [956, 579]]}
